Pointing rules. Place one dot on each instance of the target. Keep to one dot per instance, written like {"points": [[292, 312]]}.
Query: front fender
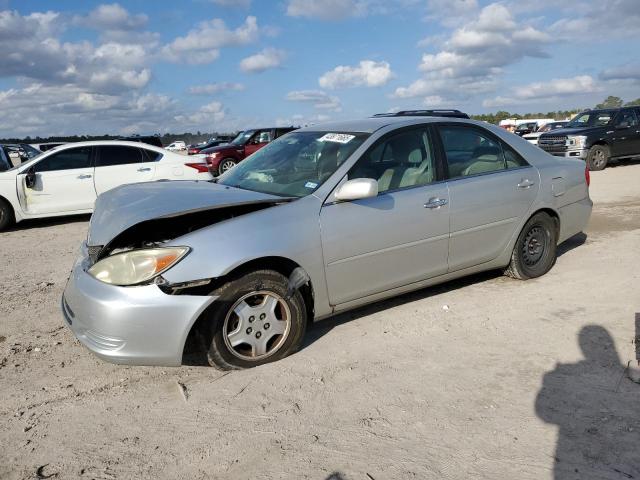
{"points": [[291, 231]]}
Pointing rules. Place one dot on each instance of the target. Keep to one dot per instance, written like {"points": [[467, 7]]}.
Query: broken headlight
{"points": [[136, 266]]}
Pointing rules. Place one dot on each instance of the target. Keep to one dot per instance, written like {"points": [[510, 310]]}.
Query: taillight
{"points": [[587, 176], [200, 167]]}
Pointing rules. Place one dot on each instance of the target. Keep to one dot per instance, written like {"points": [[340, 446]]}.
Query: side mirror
{"points": [[30, 178], [622, 126], [357, 189]]}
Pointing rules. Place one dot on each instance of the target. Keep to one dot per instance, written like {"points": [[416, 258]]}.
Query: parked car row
{"points": [[209, 143], [224, 157], [597, 136], [532, 137]]}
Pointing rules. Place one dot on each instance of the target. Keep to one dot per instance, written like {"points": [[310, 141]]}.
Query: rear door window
{"points": [[469, 151], [112, 155]]}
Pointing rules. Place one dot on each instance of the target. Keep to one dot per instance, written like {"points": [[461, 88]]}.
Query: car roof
{"points": [[370, 125], [97, 143]]}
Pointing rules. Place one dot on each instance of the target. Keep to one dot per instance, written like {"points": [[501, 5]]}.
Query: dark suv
{"points": [[222, 158], [597, 136]]}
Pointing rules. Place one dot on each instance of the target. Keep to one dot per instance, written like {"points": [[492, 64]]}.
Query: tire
{"points": [[7, 217], [535, 250], [598, 157], [259, 334], [226, 164]]}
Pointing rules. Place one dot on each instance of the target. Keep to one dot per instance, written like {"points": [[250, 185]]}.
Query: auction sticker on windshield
{"points": [[337, 137]]}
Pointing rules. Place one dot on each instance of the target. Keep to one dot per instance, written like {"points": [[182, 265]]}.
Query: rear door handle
{"points": [[144, 169], [436, 203], [83, 176], [525, 183]]}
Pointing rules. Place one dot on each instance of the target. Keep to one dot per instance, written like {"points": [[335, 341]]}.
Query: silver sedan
{"points": [[324, 219]]}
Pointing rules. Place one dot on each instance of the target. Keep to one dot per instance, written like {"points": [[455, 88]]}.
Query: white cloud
{"points": [[204, 118], [451, 13], [114, 17], [540, 92], [233, 3], [202, 44], [213, 88], [264, 60], [367, 73], [472, 59], [629, 71], [612, 18], [299, 120], [327, 9], [318, 98]]}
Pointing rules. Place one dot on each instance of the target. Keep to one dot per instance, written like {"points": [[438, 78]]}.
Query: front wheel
{"points": [[598, 157], [6, 215], [535, 250], [226, 164], [254, 321]]}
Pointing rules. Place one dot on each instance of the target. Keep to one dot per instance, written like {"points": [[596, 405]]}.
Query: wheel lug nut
{"points": [[251, 318], [249, 330], [258, 334], [263, 316], [266, 326]]}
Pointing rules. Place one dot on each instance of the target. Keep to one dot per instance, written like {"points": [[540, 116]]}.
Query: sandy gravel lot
{"points": [[516, 380]]}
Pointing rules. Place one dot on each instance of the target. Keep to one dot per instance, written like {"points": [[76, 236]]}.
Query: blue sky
{"points": [[137, 66]]}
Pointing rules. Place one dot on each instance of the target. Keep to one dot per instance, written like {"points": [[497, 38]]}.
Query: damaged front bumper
{"points": [[139, 325]]}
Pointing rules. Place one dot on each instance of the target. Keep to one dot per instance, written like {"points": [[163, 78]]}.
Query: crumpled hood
{"points": [[128, 205]]}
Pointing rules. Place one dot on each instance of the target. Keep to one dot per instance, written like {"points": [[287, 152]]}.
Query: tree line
{"points": [[166, 139], [609, 102], [192, 138]]}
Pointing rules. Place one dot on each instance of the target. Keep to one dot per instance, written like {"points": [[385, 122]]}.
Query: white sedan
{"points": [[68, 179]]}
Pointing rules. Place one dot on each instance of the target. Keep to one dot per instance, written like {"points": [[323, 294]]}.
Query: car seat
{"points": [[485, 159]]}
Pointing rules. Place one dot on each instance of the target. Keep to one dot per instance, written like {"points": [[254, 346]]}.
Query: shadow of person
{"points": [[596, 409]]}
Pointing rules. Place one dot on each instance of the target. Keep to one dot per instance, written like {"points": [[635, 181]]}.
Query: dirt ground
{"points": [[510, 380]]}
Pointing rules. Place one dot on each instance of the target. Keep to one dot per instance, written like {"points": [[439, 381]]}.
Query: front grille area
{"points": [[562, 139], [93, 253], [553, 145]]}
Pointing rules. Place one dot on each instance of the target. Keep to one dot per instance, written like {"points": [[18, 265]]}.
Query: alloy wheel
{"points": [[257, 325], [227, 165]]}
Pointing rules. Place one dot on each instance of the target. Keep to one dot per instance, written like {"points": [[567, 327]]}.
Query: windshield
{"points": [[30, 151], [242, 137], [294, 165], [591, 119]]}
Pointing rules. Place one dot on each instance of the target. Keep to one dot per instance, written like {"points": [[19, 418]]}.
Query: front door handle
{"points": [[83, 176], [525, 183], [144, 169], [436, 203]]}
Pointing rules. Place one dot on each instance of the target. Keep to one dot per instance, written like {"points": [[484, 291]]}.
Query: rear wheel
{"points": [[7, 217], [254, 321], [226, 164], [598, 157], [535, 250]]}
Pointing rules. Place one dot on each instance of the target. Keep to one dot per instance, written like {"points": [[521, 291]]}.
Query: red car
{"points": [[195, 149], [222, 158]]}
